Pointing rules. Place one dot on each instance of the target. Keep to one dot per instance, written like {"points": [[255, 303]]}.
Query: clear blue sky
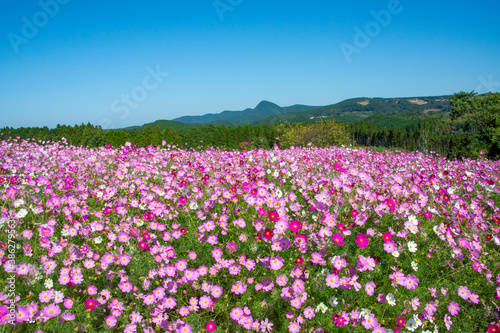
{"points": [[91, 61]]}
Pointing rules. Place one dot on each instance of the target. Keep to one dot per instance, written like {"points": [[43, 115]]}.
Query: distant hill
{"points": [[362, 107], [263, 110], [349, 110], [162, 124]]}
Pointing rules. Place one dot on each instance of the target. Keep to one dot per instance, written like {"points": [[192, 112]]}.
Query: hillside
{"points": [[356, 109], [349, 110], [176, 125], [263, 110]]}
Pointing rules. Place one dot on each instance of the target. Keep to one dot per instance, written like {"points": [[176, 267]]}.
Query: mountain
{"points": [[263, 110], [356, 109], [349, 110]]}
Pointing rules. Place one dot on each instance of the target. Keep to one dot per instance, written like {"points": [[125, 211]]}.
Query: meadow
{"points": [[164, 239]]}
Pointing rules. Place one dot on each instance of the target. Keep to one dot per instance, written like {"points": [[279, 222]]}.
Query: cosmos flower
{"points": [[210, 326], [362, 240]]}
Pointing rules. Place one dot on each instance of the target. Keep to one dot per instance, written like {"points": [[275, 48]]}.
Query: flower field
{"points": [[162, 239]]}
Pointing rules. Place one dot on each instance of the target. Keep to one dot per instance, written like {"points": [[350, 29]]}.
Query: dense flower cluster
{"points": [[304, 239]]}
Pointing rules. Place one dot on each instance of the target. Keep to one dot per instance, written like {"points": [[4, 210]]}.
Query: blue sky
{"points": [[123, 63]]}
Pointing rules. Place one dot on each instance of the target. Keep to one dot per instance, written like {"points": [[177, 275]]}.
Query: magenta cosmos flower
{"points": [[90, 304], [210, 326], [273, 216], [492, 328], [338, 239], [268, 234], [362, 240], [143, 245], [295, 225]]}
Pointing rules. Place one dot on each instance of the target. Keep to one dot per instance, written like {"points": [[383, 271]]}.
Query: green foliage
{"points": [[319, 134], [481, 115]]}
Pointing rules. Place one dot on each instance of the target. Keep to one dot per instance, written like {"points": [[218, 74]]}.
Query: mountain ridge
{"points": [[266, 112]]}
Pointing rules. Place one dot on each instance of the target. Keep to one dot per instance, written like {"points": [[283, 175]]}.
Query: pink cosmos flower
{"points": [[216, 291], [411, 282], [91, 290], [300, 240], [309, 312], [332, 281], [453, 308], [236, 313], [370, 288], [149, 299], [390, 247], [170, 303], [231, 247], [110, 321], [124, 259], [464, 292], [282, 280], [205, 301], [293, 327], [181, 265], [276, 263], [66, 317], [185, 328], [266, 326], [430, 308], [474, 298], [125, 286], [68, 303], [184, 311], [447, 321], [22, 314], [51, 310]]}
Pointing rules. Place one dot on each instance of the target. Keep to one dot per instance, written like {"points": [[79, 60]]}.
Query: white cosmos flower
{"points": [[414, 265], [411, 325], [395, 254], [412, 246], [321, 307], [333, 301], [254, 247], [365, 313], [390, 299], [18, 203], [48, 283], [22, 213]]}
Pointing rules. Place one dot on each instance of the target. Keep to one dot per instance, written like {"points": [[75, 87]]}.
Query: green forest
{"points": [[471, 128]]}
